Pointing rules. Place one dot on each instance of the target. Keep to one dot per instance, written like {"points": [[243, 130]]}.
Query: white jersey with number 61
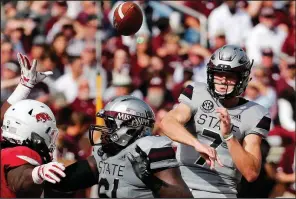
{"points": [[117, 178]]}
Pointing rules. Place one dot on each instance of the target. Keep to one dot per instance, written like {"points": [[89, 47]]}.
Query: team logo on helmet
{"points": [[43, 117], [207, 106]]}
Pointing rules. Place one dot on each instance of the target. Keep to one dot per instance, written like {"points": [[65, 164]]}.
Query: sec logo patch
{"points": [[207, 106]]}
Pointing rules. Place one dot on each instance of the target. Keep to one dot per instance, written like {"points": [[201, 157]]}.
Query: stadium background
{"points": [[92, 64]]}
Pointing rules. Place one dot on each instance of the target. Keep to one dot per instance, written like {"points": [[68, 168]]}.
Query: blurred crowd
{"points": [[76, 40], [62, 37]]}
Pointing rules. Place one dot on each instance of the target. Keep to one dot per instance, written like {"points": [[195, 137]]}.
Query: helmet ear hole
{"points": [[37, 139]]}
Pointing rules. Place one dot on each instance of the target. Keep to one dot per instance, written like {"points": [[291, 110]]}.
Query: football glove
{"points": [[141, 164], [29, 76], [50, 172]]}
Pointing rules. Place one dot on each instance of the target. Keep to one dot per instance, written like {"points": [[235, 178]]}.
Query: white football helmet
{"points": [[31, 123]]}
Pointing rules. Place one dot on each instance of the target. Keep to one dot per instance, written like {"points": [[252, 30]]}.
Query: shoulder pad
{"points": [[149, 142]]}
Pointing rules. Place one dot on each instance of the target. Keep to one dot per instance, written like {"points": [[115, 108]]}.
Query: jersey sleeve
{"points": [[17, 156], [160, 152], [262, 124], [186, 96]]}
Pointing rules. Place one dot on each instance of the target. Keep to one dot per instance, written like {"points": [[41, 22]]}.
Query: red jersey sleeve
{"points": [[20, 155]]}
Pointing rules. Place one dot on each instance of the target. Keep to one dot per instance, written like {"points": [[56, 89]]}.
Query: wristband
{"points": [[20, 93], [228, 137]]}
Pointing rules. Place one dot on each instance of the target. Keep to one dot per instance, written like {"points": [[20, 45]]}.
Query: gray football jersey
{"points": [[246, 118], [117, 178]]}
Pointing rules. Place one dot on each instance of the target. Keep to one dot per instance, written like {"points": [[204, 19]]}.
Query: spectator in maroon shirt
{"points": [[267, 63], [157, 42], [285, 166], [88, 8], [171, 54], [287, 137], [58, 48], [83, 103], [70, 141], [286, 80], [178, 88], [140, 60], [38, 47], [286, 171], [204, 7], [289, 44], [158, 95], [156, 92], [59, 9], [156, 68]]}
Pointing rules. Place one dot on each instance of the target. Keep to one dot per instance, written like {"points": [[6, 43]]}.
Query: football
{"points": [[128, 18]]}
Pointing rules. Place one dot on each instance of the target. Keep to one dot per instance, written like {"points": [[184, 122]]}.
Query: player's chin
{"points": [[223, 90]]}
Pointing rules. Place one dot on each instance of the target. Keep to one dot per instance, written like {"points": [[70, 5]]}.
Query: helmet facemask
{"points": [[117, 134], [227, 94], [37, 143]]}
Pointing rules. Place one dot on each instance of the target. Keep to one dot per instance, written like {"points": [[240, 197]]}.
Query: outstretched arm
{"points": [[29, 78], [26, 180], [79, 175]]}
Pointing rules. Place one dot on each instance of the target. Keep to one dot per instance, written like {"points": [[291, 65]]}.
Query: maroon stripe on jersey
{"points": [[159, 154], [188, 91], [264, 123]]}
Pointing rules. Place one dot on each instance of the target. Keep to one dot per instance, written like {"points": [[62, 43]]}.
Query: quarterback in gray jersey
{"points": [[128, 162], [214, 114]]}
